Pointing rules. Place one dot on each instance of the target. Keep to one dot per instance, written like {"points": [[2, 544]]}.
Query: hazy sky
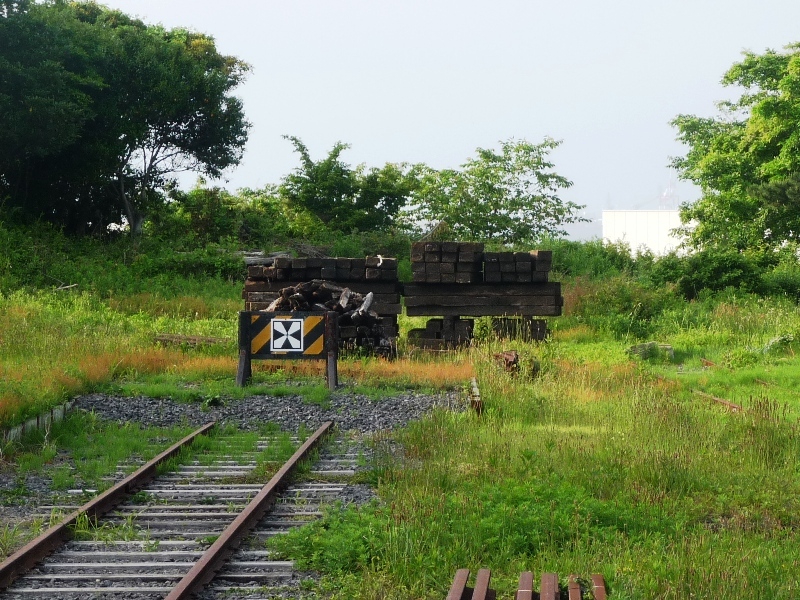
{"points": [[430, 81]]}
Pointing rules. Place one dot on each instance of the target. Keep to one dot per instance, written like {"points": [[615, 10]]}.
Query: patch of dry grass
{"points": [[437, 373]]}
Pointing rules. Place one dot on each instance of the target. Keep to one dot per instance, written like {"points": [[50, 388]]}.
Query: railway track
{"points": [[198, 529]]}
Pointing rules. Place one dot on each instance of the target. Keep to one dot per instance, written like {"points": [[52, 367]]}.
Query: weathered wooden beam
{"points": [[483, 311], [466, 299], [252, 285], [552, 288]]}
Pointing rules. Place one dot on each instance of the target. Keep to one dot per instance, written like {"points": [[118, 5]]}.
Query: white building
{"points": [[640, 229]]}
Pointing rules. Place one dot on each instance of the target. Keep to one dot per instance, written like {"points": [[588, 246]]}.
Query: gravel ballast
{"points": [[348, 410]]}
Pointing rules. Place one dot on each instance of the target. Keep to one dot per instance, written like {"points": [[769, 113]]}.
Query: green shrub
{"points": [[716, 269], [594, 258], [210, 261], [622, 306], [783, 279]]}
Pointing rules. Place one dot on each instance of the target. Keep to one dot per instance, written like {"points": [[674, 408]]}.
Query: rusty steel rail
{"points": [[548, 588], [35, 550], [215, 557]]}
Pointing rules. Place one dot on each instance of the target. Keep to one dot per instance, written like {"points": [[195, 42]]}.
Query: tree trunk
{"points": [[135, 218]]}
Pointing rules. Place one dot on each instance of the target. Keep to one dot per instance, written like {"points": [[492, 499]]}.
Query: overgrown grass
{"points": [[94, 448], [54, 345], [600, 463]]}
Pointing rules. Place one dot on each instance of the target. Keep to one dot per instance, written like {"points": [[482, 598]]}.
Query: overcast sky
{"points": [[430, 81]]}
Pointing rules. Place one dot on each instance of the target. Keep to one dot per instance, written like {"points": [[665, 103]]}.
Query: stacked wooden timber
{"points": [[373, 274], [517, 267], [371, 268], [512, 284], [440, 334], [447, 262], [359, 325]]}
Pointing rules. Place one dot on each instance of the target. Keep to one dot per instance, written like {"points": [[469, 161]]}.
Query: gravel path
{"points": [[350, 412]]}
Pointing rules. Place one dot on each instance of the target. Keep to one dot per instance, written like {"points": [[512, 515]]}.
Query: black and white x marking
{"points": [[287, 335]]}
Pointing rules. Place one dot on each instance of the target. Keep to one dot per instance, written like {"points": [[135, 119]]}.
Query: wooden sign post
{"points": [[288, 336]]}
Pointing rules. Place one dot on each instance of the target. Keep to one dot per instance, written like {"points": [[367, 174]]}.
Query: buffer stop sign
{"points": [[287, 336]]}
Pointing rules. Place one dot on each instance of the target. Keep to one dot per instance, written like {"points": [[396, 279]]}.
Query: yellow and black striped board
{"points": [[287, 335]]}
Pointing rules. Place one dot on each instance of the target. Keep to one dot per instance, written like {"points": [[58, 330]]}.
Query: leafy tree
{"points": [[43, 100], [346, 198], [508, 196], [104, 109], [747, 159], [10, 7]]}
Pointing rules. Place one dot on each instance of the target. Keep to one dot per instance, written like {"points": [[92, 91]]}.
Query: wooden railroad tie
{"points": [[548, 587]]}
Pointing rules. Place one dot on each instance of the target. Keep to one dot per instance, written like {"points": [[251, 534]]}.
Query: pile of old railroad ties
{"points": [[365, 293], [450, 280], [455, 280]]}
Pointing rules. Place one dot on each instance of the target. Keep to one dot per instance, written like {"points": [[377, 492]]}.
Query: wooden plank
{"points": [[482, 591], [470, 257], [255, 271], [548, 590], [450, 246], [357, 286], [573, 588], [483, 311], [387, 309], [552, 288], [508, 267], [468, 278], [380, 308], [458, 590], [525, 587], [470, 247], [260, 296], [468, 300], [599, 587]]}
